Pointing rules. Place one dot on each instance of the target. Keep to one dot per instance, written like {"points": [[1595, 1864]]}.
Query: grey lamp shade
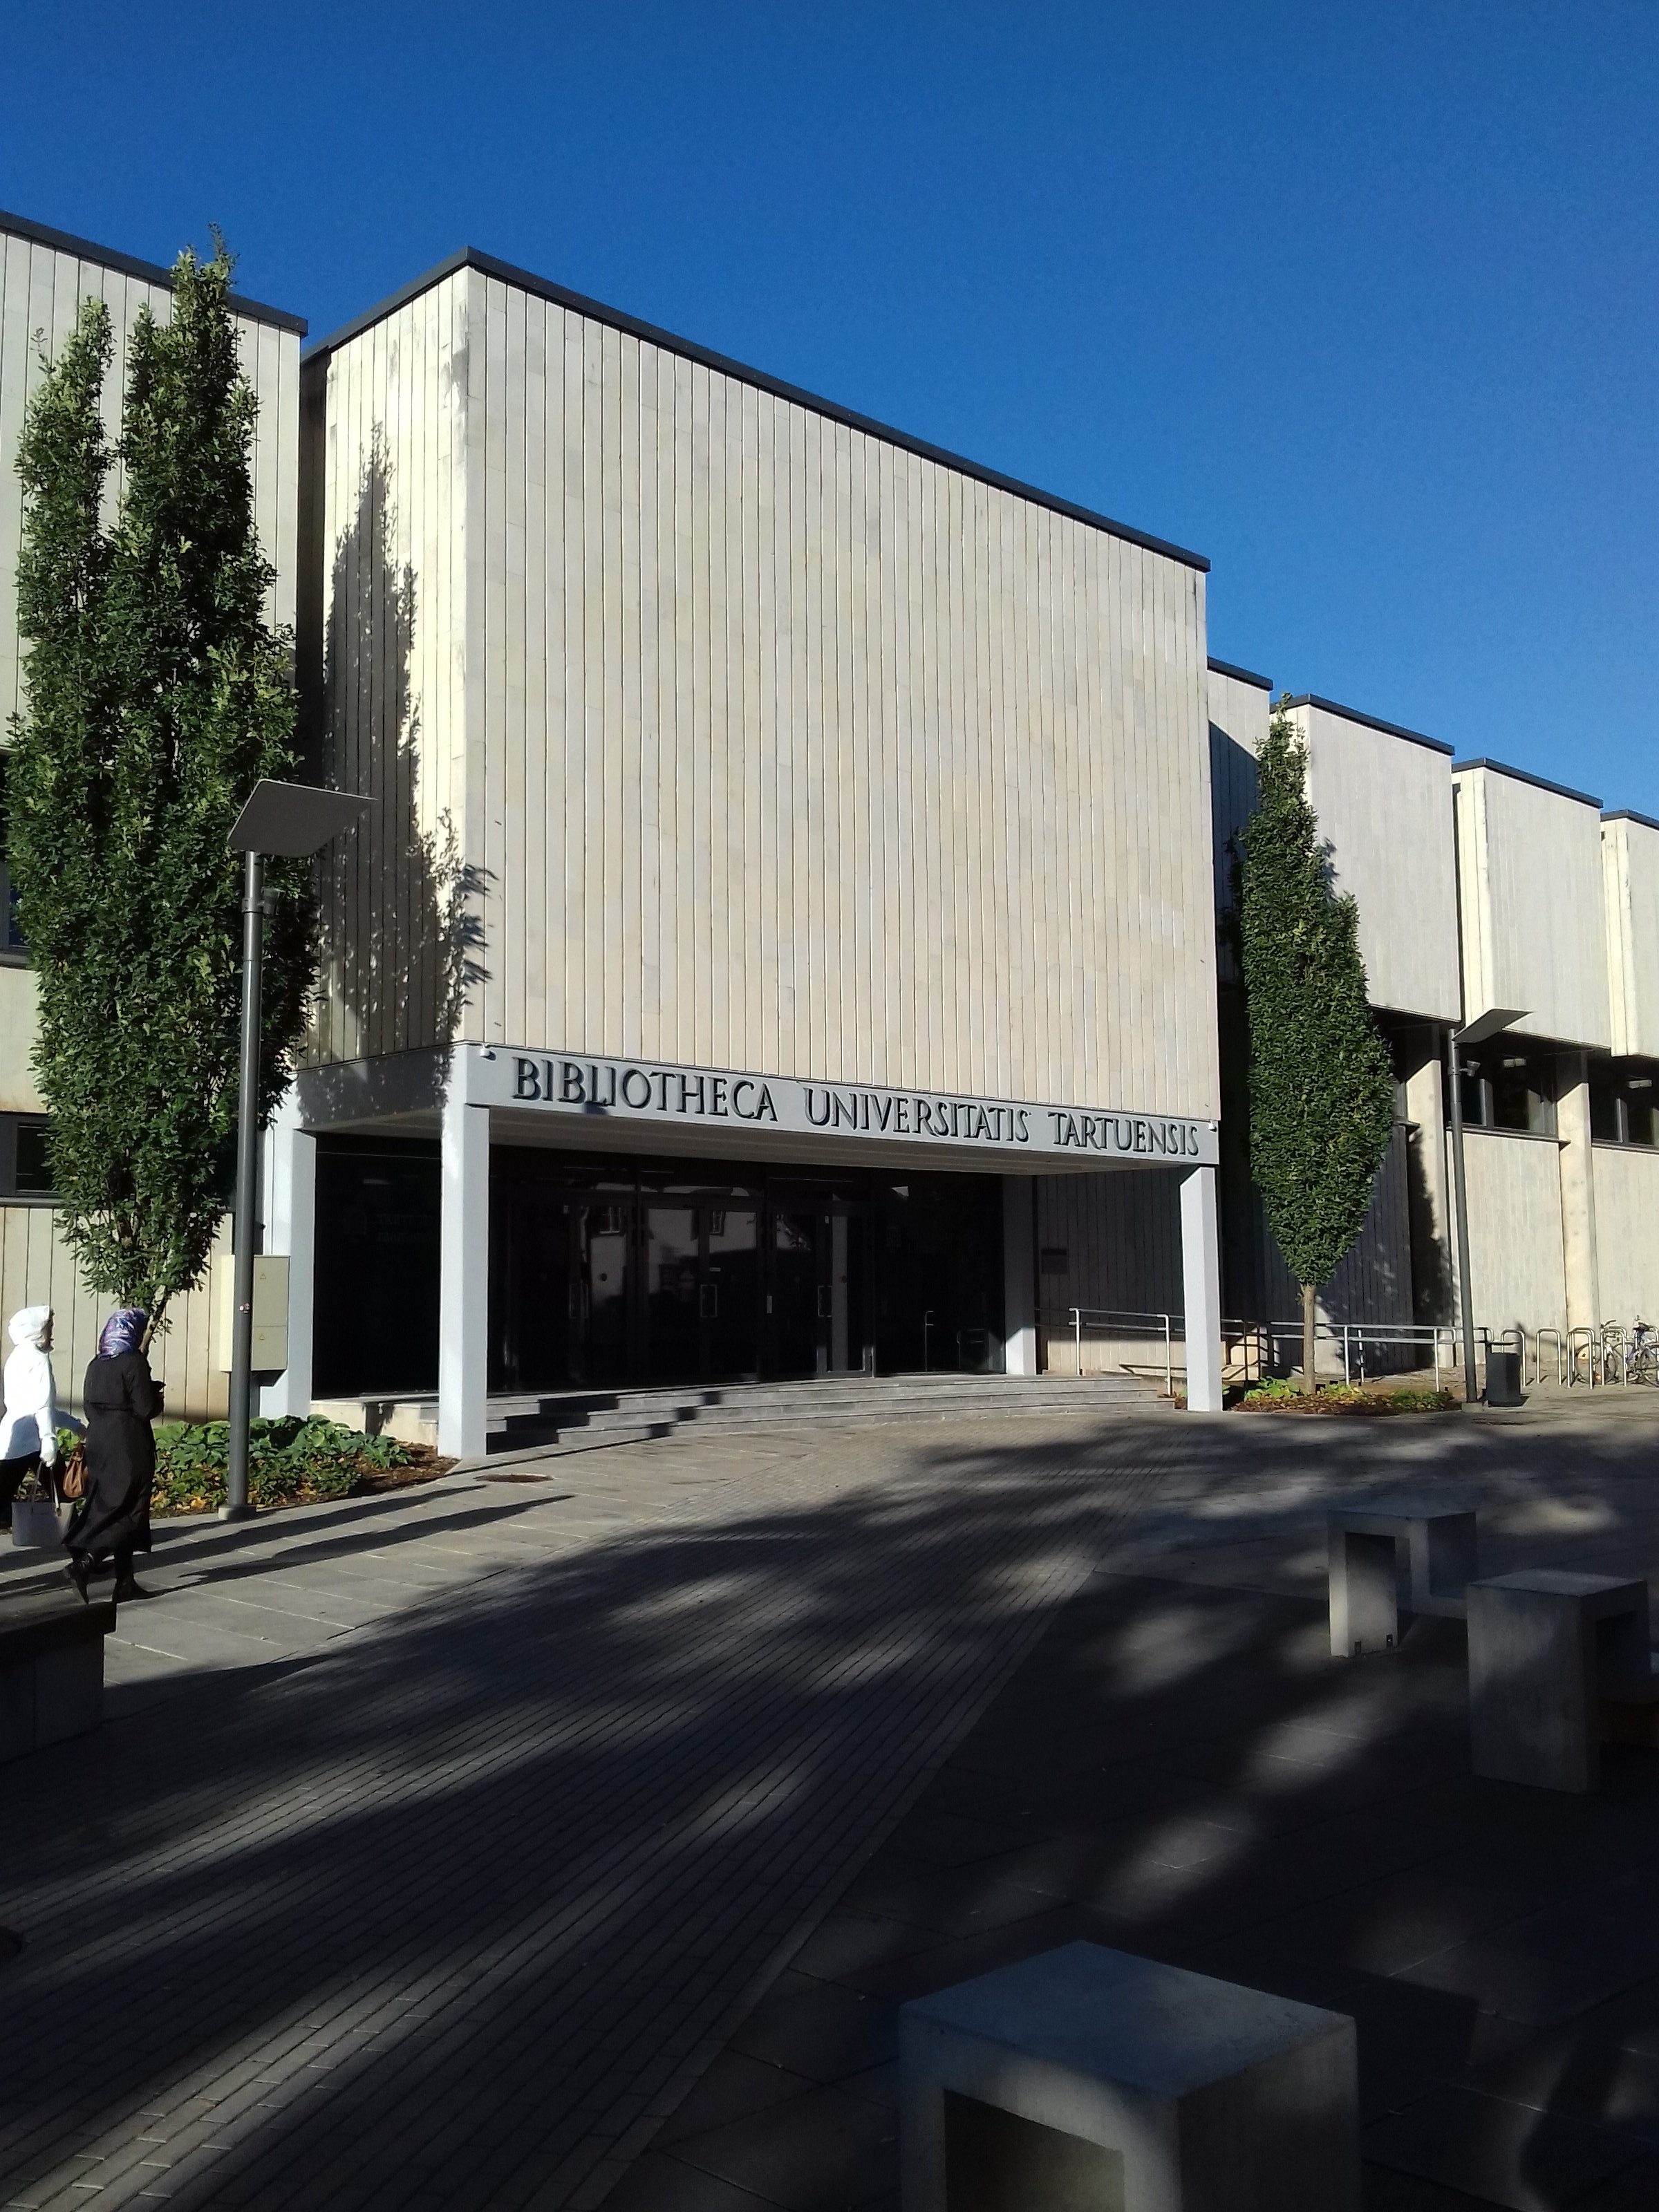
{"points": [[290, 819]]}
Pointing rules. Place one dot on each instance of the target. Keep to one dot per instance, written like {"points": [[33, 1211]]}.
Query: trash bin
{"points": [[1503, 1378]]}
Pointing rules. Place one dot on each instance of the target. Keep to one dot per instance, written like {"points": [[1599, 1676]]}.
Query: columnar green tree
{"points": [[156, 696], [1321, 1088]]}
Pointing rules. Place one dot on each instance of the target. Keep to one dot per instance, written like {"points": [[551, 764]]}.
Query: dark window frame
{"points": [[14, 1127]]}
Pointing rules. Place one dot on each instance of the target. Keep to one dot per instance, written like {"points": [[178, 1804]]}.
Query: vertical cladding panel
{"points": [[1629, 861], [1238, 728], [1553, 963], [1384, 805], [393, 530], [1515, 1265], [531, 829], [849, 764], [1627, 1231]]}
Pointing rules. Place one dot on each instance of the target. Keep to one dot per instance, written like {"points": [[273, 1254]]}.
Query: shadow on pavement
{"points": [[455, 1916]]}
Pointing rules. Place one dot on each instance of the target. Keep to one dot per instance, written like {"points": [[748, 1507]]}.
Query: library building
{"points": [[788, 940]]}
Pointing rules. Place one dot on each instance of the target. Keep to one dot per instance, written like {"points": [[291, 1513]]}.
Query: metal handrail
{"points": [[1152, 1324]]}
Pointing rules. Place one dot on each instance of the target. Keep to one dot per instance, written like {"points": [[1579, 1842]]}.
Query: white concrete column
{"points": [[1019, 1340], [464, 1270], [1201, 1270], [1579, 1264], [290, 1211]]}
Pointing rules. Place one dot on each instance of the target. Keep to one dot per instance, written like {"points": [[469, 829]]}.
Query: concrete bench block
{"points": [[51, 1670], [1393, 1556], [1091, 2077], [1546, 1647]]}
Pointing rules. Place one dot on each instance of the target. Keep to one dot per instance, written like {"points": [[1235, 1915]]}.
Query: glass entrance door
{"points": [[701, 1293], [728, 1292], [793, 1298]]}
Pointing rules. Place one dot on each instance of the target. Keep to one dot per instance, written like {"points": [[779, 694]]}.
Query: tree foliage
{"points": [[1321, 1086], [156, 696]]}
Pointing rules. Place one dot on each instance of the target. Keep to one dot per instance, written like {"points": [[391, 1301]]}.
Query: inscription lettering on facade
{"points": [[640, 1091]]}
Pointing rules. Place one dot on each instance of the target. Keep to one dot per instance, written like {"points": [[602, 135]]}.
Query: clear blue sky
{"points": [[1361, 301]]}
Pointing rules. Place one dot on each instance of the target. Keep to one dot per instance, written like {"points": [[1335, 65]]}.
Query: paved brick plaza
{"points": [[437, 1843]]}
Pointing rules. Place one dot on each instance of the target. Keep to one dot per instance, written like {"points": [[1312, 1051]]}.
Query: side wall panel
{"points": [[1630, 863], [1516, 1266], [1385, 807], [37, 1269], [1547, 955], [1627, 1246]]}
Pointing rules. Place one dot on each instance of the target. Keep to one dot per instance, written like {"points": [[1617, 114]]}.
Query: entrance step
{"points": [[587, 1421], [578, 1421]]}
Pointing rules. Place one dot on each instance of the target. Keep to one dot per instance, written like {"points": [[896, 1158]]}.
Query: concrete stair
{"points": [[574, 1421]]}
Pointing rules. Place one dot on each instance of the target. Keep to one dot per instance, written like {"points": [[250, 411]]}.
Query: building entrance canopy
{"points": [[1002, 1133]]}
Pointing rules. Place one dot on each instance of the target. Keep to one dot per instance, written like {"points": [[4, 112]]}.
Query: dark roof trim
{"points": [[1629, 814], [1520, 775], [524, 280], [61, 241], [1240, 675], [1369, 721]]}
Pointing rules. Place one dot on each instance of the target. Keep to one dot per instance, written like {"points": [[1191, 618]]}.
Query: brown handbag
{"points": [[72, 1474]]}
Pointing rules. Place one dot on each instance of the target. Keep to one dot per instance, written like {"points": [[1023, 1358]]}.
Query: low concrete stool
{"points": [[1091, 2078], [1392, 1555], [1545, 1648], [52, 1670]]}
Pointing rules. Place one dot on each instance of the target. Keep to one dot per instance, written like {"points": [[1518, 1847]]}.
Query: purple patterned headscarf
{"points": [[123, 1332]]}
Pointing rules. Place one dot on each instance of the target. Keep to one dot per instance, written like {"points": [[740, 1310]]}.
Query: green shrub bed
{"points": [[290, 1462], [1278, 1397]]}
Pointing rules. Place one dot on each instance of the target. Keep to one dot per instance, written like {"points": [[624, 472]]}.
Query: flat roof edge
{"points": [[1371, 722], [526, 280], [1629, 814], [1239, 675], [1525, 775], [129, 264]]}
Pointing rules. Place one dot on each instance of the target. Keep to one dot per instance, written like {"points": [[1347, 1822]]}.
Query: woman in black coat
{"points": [[112, 1520]]}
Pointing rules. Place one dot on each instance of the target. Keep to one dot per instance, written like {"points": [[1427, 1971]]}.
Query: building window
{"points": [[25, 1167], [1504, 1085], [1624, 1103]]}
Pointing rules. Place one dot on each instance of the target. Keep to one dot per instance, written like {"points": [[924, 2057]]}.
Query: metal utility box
{"points": [[269, 1312]]}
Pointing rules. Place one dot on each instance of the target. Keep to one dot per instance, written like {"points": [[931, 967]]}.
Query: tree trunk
{"points": [[1310, 1377]]}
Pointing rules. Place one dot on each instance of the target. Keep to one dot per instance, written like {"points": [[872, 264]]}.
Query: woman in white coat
{"points": [[29, 1433]]}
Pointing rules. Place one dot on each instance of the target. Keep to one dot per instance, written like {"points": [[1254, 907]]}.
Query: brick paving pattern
{"points": [[440, 1842], [1180, 1769]]}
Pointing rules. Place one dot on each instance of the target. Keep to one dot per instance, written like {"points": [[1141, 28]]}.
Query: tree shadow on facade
{"points": [[403, 930], [504, 1871]]}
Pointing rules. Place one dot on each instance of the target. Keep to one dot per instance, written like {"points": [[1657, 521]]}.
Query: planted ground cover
{"points": [[1280, 1397], [290, 1462]]}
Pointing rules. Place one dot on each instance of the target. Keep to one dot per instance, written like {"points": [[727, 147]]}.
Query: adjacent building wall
{"points": [[1532, 903], [771, 743], [36, 1268], [43, 280], [44, 276]]}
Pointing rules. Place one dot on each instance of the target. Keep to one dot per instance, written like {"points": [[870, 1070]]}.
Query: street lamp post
{"points": [[289, 820], [1475, 1032]]}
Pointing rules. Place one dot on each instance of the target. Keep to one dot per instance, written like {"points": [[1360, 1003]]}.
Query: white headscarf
{"points": [[31, 1418]]}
